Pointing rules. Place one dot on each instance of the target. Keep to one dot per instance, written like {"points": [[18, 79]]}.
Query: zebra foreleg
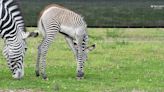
{"points": [[78, 53], [72, 45], [80, 59], [80, 63]]}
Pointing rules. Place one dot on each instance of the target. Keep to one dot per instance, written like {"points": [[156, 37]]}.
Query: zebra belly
{"points": [[68, 31]]}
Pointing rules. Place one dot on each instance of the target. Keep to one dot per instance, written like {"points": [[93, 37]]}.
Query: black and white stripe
{"points": [[55, 19], [12, 30]]}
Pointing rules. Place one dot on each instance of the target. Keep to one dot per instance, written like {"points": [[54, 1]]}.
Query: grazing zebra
{"points": [[55, 18], [12, 30]]}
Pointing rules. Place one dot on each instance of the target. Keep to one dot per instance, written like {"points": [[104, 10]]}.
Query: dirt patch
{"points": [[20, 90]]}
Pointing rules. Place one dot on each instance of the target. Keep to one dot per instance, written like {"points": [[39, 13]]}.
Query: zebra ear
{"points": [[90, 48]]}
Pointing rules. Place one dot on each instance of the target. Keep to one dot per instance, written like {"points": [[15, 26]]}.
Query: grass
{"points": [[125, 60]]}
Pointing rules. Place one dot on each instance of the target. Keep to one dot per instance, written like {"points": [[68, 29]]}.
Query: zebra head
{"points": [[19, 71], [14, 52]]}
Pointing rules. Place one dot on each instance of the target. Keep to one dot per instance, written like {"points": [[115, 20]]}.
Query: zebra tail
{"points": [[33, 34]]}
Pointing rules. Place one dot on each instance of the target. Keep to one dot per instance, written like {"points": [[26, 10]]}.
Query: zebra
{"points": [[56, 18], [13, 32]]}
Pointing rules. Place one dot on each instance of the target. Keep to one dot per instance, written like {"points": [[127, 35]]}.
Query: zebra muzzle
{"points": [[18, 74]]}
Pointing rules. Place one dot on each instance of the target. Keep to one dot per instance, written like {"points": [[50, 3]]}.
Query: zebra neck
{"points": [[13, 40]]}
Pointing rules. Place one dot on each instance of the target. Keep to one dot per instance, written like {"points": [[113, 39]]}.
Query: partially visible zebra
{"points": [[12, 30], [55, 18]]}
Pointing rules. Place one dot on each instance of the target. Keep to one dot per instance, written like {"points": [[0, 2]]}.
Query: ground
{"points": [[125, 60]]}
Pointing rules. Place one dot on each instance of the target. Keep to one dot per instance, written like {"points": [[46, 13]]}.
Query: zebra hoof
{"points": [[37, 74], [44, 77], [80, 75]]}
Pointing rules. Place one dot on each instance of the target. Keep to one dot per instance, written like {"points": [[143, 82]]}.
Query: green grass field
{"points": [[125, 60]]}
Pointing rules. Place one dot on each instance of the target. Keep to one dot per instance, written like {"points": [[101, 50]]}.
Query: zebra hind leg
{"points": [[48, 32], [44, 48], [38, 61], [42, 51]]}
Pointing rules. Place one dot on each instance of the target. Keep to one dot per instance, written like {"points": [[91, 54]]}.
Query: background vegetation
{"points": [[125, 60], [103, 13]]}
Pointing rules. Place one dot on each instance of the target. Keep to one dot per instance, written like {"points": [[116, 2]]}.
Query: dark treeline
{"points": [[103, 13]]}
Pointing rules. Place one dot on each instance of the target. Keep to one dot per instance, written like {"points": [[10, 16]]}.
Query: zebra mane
{"points": [[17, 2]]}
